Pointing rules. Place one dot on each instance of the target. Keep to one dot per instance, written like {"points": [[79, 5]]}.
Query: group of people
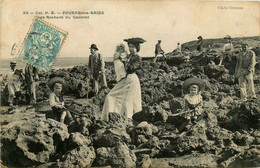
{"points": [[125, 97], [242, 64]]}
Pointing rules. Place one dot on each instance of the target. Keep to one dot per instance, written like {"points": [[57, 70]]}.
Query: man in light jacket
{"points": [[245, 72]]}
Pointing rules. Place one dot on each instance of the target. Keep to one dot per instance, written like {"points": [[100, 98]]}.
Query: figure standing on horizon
{"points": [[97, 68], [199, 43], [158, 50], [179, 48]]}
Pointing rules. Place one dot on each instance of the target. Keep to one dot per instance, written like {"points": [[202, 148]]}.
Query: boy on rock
{"points": [[56, 99]]}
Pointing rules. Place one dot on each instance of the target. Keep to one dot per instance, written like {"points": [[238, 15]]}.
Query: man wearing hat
{"points": [[178, 48], [31, 75], [227, 50], [199, 43], [245, 70], [97, 67], [14, 81], [158, 50]]}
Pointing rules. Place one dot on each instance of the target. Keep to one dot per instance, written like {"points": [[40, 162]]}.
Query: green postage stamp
{"points": [[42, 45]]}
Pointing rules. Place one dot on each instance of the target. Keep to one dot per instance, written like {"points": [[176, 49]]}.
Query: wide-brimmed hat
{"points": [[227, 37], [13, 63], [200, 37], [135, 40], [94, 46], [60, 80], [193, 81]]}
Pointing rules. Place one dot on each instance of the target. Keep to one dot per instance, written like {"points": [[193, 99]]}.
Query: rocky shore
{"points": [[226, 135]]}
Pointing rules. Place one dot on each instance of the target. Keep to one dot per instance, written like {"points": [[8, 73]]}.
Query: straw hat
{"points": [[193, 81], [60, 80]]}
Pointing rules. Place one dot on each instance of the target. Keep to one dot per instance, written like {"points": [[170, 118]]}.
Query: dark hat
{"points": [[227, 37], [200, 37], [137, 40], [159, 40], [193, 81], [12, 63], [60, 80], [94, 46]]}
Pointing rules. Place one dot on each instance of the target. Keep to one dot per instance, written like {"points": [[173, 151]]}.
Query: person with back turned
{"points": [[31, 75]]}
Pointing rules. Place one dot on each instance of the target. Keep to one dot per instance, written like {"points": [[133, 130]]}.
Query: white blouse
{"points": [[55, 101]]}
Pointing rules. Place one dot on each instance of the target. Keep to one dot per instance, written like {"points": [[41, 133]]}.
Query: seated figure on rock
{"points": [[193, 100], [56, 99]]}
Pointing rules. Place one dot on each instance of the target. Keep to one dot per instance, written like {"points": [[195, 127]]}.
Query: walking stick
{"points": [[177, 114], [74, 112]]}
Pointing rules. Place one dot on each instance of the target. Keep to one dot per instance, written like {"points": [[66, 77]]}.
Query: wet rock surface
{"points": [[226, 134]]}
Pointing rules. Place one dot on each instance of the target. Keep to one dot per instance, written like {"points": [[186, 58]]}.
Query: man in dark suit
{"points": [[158, 50]]}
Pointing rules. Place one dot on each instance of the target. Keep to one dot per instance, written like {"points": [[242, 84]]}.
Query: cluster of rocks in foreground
{"points": [[227, 133]]}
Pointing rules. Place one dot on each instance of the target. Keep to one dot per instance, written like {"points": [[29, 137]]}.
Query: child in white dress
{"points": [[193, 100], [120, 56], [193, 103]]}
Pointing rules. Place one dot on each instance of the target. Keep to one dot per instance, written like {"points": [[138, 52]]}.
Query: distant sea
{"points": [[66, 62]]}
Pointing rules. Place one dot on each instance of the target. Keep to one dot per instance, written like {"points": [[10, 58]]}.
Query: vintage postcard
{"points": [[127, 83]]}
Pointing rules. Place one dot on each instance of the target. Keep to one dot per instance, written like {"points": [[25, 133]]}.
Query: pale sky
{"points": [[169, 21]]}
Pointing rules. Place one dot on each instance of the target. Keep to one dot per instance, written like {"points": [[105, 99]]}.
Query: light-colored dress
{"points": [[125, 97], [193, 104], [119, 66]]}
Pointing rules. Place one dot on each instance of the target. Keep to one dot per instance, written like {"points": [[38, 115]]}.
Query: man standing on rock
{"points": [[14, 82], [244, 72], [199, 44], [31, 75], [178, 48], [227, 50], [158, 50], [97, 68]]}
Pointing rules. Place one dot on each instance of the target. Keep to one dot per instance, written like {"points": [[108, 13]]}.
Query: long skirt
{"points": [[124, 98]]}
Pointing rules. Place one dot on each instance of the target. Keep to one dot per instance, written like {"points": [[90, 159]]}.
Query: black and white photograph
{"points": [[128, 83]]}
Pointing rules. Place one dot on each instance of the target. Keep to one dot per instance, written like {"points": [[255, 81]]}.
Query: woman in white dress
{"points": [[125, 97]]}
